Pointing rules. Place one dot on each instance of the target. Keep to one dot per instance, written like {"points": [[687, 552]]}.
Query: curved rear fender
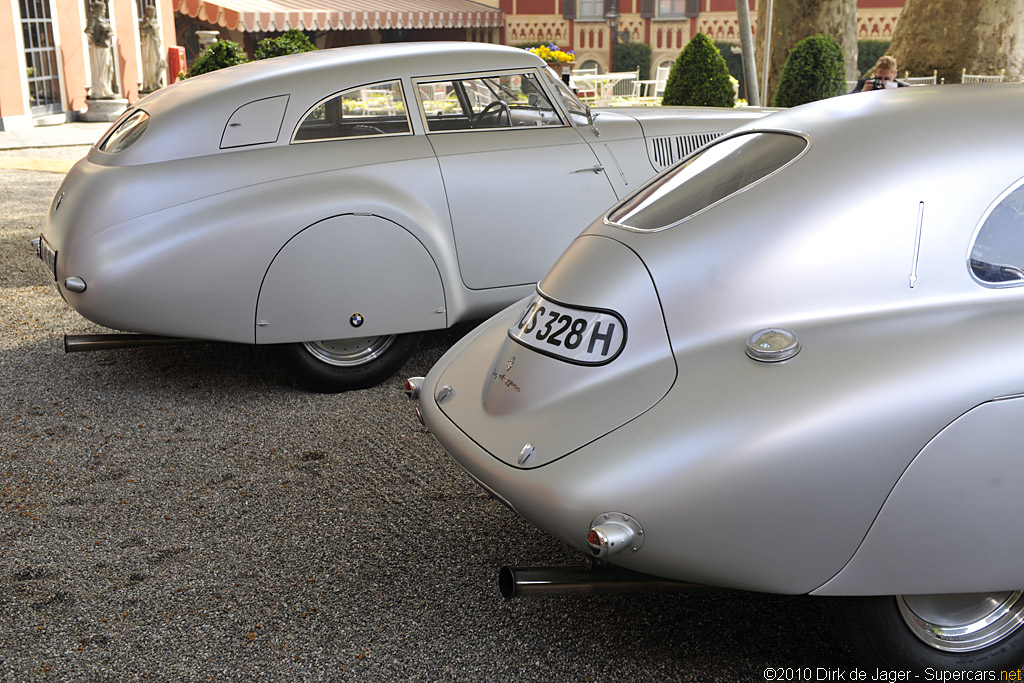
{"points": [[195, 268], [952, 522], [349, 276]]}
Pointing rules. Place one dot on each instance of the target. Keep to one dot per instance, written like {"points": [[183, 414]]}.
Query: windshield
{"points": [[719, 171], [576, 109]]}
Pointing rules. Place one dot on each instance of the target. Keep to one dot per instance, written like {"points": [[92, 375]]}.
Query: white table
{"points": [[601, 85]]}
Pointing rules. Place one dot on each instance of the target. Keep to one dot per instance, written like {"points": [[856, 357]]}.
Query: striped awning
{"points": [[270, 16]]}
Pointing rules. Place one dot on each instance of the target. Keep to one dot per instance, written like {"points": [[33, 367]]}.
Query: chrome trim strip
{"points": [[917, 245]]}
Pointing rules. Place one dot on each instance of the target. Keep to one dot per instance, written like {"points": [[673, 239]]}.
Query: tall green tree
{"points": [[794, 20], [814, 71], [982, 36], [699, 77]]}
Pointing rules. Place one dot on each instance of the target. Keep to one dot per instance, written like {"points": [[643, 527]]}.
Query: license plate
{"points": [[49, 256], [575, 335]]}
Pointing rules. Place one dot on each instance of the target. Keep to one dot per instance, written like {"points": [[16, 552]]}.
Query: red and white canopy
{"points": [[270, 16]]}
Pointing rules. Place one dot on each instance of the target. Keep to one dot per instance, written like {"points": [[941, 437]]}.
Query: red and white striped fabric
{"points": [[254, 16]]}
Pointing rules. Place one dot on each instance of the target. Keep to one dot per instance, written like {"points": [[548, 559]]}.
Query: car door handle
{"points": [[596, 168]]}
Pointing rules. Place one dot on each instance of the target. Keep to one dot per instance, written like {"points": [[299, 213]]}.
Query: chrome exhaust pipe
{"points": [[100, 342], [514, 582]]}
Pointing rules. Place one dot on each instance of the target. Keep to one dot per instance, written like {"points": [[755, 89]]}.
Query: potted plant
{"points": [[559, 60]]}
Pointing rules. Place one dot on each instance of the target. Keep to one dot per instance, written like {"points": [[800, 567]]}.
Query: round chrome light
{"points": [[773, 345], [75, 284], [614, 532]]}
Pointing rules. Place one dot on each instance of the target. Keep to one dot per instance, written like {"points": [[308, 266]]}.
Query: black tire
{"points": [[918, 632], [335, 365]]}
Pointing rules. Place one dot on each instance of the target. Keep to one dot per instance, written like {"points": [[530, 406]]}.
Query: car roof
{"points": [[948, 115], [359, 64], [188, 117]]}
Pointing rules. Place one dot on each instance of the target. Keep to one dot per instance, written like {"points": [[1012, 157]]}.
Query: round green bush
{"points": [[699, 77], [220, 55], [814, 70], [291, 42]]}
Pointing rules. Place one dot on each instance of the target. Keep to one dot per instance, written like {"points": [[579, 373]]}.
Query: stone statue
{"points": [[153, 63], [101, 54]]}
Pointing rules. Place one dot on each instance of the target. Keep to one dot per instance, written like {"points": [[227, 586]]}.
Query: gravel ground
{"points": [[69, 153], [187, 513]]}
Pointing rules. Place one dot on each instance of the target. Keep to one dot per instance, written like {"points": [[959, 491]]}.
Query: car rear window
{"points": [[708, 177], [124, 133], [997, 253], [377, 109]]}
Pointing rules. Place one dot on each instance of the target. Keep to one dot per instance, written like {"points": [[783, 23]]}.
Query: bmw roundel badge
{"points": [[356, 320]]}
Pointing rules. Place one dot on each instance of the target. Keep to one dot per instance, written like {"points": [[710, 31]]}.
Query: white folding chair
{"points": [[982, 78], [650, 91], [921, 80]]}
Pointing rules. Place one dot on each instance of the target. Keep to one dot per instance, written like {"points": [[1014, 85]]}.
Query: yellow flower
{"points": [[551, 53]]}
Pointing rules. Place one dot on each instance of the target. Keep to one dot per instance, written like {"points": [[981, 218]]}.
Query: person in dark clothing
{"points": [[884, 76]]}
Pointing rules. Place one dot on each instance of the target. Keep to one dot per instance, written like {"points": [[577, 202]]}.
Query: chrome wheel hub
{"points": [[350, 352], [962, 622]]}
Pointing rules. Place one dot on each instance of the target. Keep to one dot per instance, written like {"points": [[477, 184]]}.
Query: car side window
{"points": [[577, 110], [377, 109], [506, 101], [997, 255]]}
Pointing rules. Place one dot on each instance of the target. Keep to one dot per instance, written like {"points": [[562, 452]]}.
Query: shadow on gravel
{"points": [[197, 366], [190, 504]]}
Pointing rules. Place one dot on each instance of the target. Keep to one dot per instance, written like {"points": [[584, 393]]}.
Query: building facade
{"points": [[62, 73], [56, 60], [584, 26]]}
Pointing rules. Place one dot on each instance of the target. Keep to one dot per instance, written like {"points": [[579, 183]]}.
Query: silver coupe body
{"points": [[790, 364], [338, 202]]}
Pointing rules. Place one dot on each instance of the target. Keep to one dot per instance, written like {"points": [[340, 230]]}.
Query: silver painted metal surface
{"points": [[208, 184], [880, 460]]}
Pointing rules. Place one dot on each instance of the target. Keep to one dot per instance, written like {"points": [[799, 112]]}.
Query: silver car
{"points": [[338, 203], [790, 364]]}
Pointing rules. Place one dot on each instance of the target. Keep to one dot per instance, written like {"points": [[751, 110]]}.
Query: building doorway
{"points": [[40, 57]]}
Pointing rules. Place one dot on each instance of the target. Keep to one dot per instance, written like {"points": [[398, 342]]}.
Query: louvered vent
{"points": [[666, 151]]}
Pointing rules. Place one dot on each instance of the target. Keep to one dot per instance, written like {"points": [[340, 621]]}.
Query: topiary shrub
{"points": [[699, 77], [291, 42], [868, 52], [220, 55], [630, 57], [814, 70]]}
